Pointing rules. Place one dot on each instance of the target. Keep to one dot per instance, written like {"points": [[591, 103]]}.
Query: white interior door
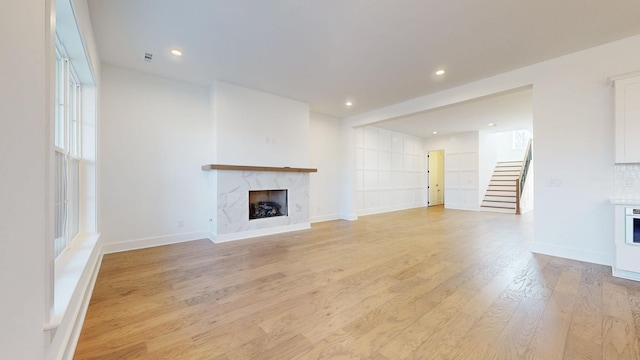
{"points": [[436, 177]]}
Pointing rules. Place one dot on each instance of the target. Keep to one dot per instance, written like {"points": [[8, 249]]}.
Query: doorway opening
{"points": [[435, 177]]}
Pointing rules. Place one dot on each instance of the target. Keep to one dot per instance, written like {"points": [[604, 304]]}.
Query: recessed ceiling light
{"points": [[440, 72], [348, 103], [435, 132], [492, 124], [176, 52]]}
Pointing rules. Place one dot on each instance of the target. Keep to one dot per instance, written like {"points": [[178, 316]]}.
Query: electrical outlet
{"points": [[180, 223]]}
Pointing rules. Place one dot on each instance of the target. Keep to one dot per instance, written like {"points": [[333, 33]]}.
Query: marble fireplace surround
{"points": [[233, 183]]}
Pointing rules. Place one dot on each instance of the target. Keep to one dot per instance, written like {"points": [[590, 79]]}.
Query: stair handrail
{"points": [[524, 171]]}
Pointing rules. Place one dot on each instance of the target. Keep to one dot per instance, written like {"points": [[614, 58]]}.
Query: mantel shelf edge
{"points": [[256, 168]]}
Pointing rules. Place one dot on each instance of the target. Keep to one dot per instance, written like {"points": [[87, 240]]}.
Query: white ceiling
{"points": [[507, 111], [373, 52]]}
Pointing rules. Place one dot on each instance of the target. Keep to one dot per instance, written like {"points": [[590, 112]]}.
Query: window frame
{"points": [[67, 152]]}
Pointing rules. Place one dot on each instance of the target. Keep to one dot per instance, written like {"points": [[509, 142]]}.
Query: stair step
{"points": [[498, 205], [502, 187], [503, 198], [503, 182], [498, 202], [504, 179], [498, 210], [500, 193], [507, 171]]}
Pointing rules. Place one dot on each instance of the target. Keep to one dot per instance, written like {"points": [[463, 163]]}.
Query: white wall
{"points": [[390, 171], [460, 168], [504, 145], [326, 152], [256, 128], [26, 101], [154, 138], [574, 144], [488, 156], [574, 151]]}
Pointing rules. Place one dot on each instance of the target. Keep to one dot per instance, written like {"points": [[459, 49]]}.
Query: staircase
{"points": [[501, 193]]}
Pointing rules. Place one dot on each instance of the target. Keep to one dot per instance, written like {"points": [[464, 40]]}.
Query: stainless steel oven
{"points": [[632, 228]]}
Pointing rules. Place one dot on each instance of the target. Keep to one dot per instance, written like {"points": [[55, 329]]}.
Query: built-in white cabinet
{"points": [[627, 116], [627, 250]]}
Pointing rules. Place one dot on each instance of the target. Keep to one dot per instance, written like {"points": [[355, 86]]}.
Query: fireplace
{"points": [[267, 203], [233, 186]]}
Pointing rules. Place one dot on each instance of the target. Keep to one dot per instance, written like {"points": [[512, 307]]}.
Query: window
{"points": [[67, 153], [520, 139]]}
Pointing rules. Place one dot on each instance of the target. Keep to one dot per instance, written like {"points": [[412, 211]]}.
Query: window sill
{"points": [[73, 272]]}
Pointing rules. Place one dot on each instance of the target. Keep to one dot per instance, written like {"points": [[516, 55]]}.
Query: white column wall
{"points": [[326, 152], [26, 105]]}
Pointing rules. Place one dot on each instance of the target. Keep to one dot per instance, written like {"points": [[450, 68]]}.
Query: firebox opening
{"points": [[267, 203]]}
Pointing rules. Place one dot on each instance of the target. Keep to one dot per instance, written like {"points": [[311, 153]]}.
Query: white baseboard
{"points": [[462, 207], [258, 232], [315, 219], [571, 253], [135, 244], [629, 275], [349, 217], [386, 209]]}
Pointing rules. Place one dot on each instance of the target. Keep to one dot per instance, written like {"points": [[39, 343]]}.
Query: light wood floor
{"points": [[417, 284]]}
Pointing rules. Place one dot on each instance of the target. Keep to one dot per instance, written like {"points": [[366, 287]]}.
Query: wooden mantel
{"points": [[256, 168]]}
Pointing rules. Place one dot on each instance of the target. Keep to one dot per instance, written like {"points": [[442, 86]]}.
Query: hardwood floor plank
{"points": [[440, 343], [486, 335], [425, 283], [549, 339], [619, 334], [585, 335]]}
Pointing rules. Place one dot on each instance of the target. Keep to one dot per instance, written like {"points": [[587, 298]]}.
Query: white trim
{"points": [[76, 273], [321, 218], [259, 232], [349, 217], [614, 78], [72, 339], [136, 244], [571, 253], [70, 269], [450, 206], [386, 209], [629, 275]]}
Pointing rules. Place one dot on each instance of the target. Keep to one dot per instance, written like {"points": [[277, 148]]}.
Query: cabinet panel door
{"points": [[627, 108], [632, 122]]}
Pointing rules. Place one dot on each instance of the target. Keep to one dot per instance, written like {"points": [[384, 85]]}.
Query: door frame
{"points": [[430, 175]]}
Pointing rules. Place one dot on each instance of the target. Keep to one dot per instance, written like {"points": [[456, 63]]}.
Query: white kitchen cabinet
{"points": [[627, 117]]}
